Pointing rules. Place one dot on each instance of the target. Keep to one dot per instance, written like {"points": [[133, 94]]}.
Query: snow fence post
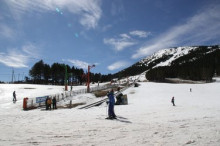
{"points": [[70, 103], [32, 103], [25, 103]]}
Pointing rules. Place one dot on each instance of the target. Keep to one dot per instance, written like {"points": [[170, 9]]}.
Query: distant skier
{"points": [[190, 89], [111, 113], [14, 97], [172, 100], [54, 103]]}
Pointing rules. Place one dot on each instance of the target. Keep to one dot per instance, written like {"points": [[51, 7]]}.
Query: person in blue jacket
{"points": [[111, 98]]}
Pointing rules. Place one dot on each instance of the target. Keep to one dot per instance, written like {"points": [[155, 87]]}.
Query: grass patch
{"points": [[101, 93]]}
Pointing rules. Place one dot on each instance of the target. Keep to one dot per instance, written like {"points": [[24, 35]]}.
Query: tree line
{"points": [[42, 73], [200, 64]]}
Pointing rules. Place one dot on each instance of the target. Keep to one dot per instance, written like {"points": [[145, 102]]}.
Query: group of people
{"points": [[49, 102]]}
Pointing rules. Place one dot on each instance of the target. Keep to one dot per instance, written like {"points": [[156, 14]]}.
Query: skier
{"points": [[173, 101], [14, 97], [190, 89], [111, 113], [54, 103]]}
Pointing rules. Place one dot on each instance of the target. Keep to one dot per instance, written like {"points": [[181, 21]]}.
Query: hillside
{"points": [[195, 63]]}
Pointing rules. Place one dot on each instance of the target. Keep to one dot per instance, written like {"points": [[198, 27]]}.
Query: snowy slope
{"points": [[169, 55], [174, 52], [148, 119]]}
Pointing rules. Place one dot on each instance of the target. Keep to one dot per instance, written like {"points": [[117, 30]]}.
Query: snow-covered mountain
{"points": [[167, 56], [177, 58]]}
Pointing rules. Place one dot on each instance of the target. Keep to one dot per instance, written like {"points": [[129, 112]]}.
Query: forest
{"points": [[42, 73]]}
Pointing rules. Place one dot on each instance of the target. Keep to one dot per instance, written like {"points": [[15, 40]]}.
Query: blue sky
{"points": [[112, 34]]}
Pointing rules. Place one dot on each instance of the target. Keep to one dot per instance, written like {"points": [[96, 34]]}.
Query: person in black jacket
{"points": [[14, 97], [54, 103], [172, 100]]}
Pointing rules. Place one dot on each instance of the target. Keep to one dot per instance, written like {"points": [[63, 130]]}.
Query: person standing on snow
{"points": [[49, 101], [111, 113], [14, 96], [172, 100], [54, 103]]}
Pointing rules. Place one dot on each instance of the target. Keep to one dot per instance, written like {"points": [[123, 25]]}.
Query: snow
{"points": [[148, 119], [176, 53]]}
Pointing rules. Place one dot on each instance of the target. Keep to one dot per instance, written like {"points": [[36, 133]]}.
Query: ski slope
{"points": [[148, 119]]}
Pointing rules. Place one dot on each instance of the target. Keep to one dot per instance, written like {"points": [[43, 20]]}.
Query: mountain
{"points": [[194, 63]]}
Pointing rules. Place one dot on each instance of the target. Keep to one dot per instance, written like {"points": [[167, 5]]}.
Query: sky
{"points": [[112, 34]]}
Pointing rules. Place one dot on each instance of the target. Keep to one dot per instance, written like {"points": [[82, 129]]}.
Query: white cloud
{"points": [[106, 27], [78, 63], [139, 33], [117, 65], [30, 50], [18, 58], [125, 40], [120, 43], [197, 30], [6, 31], [125, 36], [88, 10], [14, 59]]}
